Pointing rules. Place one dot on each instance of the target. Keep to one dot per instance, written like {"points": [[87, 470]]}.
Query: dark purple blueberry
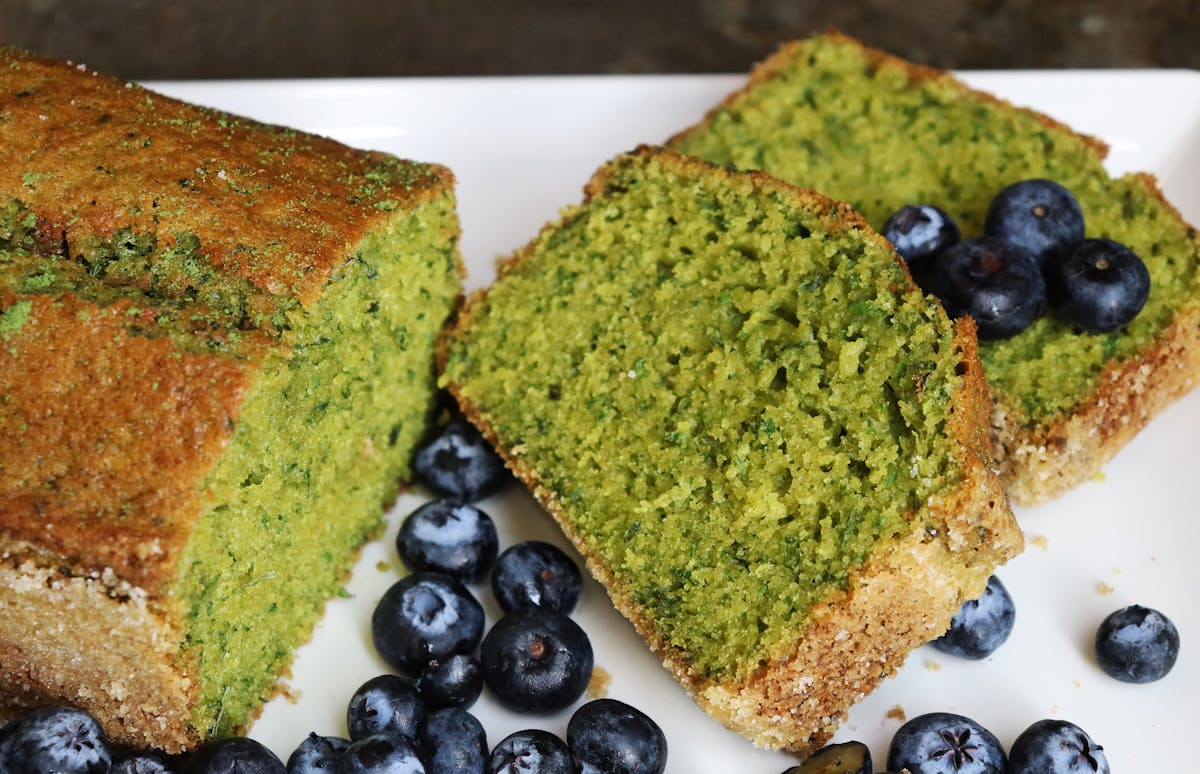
{"points": [[317, 755], [945, 743], [980, 625], [453, 681], [1098, 285], [387, 704], [531, 752], [1039, 215], [423, 617], [843, 758], [1137, 645], [1056, 747], [919, 232], [141, 763], [460, 463], [611, 736], [455, 743], [536, 574], [995, 282], [55, 739], [234, 755], [536, 660], [382, 754], [450, 537]]}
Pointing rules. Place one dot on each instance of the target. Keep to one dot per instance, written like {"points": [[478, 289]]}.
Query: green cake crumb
{"points": [[833, 118], [13, 318], [734, 401]]}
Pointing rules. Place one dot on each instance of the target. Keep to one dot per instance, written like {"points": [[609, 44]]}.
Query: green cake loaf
{"points": [[770, 447], [879, 133], [216, 357]]}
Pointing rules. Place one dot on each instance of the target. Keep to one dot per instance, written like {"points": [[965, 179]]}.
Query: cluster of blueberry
{"points": [[1135, 644], [1033, 254], [535, 659], [946, 743]]}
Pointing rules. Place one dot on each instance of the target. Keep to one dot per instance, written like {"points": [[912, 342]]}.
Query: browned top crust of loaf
{"points": [[278, 207], [893, 604], [116, 430]]}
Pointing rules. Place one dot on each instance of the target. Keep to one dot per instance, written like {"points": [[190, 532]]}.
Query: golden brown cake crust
{"points": [[115, 430], [130, 677], [898, 600], [167, 166]]}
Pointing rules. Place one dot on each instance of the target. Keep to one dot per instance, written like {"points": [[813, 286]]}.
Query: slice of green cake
{"points": [[879, 133], [768, 444], [216, 357]]}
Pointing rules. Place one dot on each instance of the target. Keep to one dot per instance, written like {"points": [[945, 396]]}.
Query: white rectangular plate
{"points": [[521, 148]]}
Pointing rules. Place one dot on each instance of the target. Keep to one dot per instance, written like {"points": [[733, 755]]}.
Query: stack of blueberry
{"points": [[1033, 254]]}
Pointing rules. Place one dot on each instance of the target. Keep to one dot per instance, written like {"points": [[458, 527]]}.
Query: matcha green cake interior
{"points": [[835, 118], [323, 438], [734, 398], [319, 451]]}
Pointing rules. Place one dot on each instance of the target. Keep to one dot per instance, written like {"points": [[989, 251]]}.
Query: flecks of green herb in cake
{"points": [[744, 405], [13, 319]]}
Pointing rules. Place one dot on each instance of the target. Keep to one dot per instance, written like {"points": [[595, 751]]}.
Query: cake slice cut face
{"points": [[880, 133], [767, 443], [216, 357]]}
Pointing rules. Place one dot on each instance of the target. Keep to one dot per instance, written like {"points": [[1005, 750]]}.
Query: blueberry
{"points": [[843, 758], [610, 736], [386, 704], [1039, 215], [1056, 747], [448, 536], [234, 755], [382, 754], [531, 752], [317, 754], [423, 617], [536, 574], [1137, 645], [980, 625], [536, 660], [55, 739], [455, 743], [453, 681], [945, 743], [1098, 285], [997, 283], [919, 232], [459, 462], [141, 763]]}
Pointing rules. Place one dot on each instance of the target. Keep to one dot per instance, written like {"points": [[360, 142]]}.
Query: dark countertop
{"points": [[140, 39]]}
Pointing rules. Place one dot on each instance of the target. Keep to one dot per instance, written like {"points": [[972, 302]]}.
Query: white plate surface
{"points": [[521, 148]]}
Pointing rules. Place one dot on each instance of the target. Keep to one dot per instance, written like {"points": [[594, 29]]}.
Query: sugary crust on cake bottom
{"points": [[1044, 462], [70, 640]]}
